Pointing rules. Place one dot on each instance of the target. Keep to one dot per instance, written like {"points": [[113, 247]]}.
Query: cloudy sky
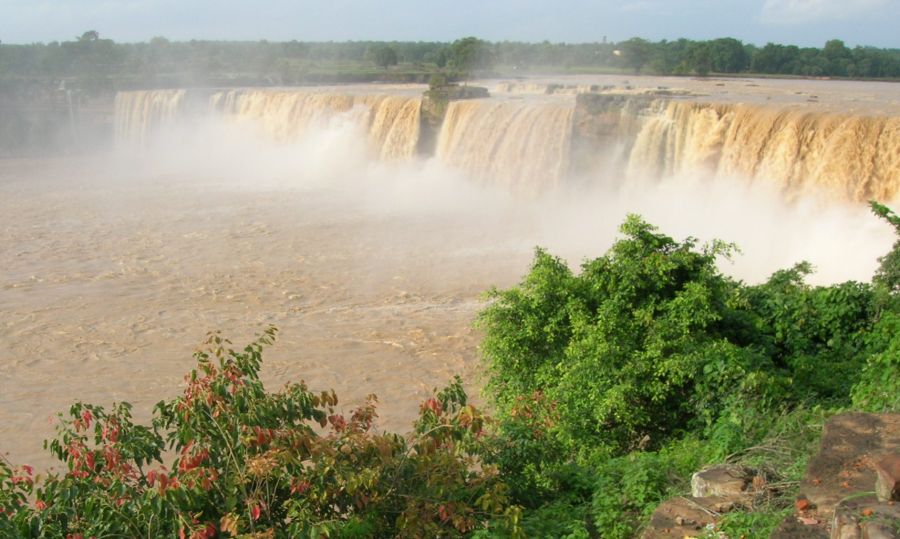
{"points": [[801, 22]]}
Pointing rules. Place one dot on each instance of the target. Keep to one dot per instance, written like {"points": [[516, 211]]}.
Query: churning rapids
{"points": [[366, 225]]}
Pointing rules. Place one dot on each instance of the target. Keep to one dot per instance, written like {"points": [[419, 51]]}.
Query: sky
{"points": [[800, 22]]}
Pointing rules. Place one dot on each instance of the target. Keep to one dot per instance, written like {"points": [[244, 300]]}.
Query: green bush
{"points": [[646, 342], [437, 80], [888, 275], [816, 333], [613, 385], [878, 389], [629, 488], [752, 524], [651, 340]]}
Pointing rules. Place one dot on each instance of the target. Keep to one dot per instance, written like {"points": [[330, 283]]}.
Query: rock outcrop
{"points": [[887, 478], [857, 452], [859, 455], [727, 480], [714, 490], [434, 108], [865, 518], [684, 516]]}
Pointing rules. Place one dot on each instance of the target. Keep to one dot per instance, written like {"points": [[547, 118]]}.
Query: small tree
{"points": [[636, 52], [469, 54], [700, 57], [89, 36], [383, 56], [437, 80], [441, 60], [888, 274]]}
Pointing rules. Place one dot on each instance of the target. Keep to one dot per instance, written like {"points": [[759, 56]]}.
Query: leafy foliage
{"points": [[628, 488], [817, 333], [648, 340], [878, 388], [252, 463], [383, 56], [888, 274], [650, 363], [470, 54], [752, 524], [651, 340]]}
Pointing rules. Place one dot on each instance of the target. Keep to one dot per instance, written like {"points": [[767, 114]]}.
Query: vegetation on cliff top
{"points": [[610, 387]]}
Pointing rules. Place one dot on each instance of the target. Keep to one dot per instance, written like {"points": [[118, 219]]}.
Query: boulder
{"points": [[851, 443], [887, 478], [726, 480], [830, 502], [684, 516], [865, 517], [794, 528]]}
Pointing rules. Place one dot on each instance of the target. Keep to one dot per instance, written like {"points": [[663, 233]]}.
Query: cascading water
{"points": [[140, 113], [518, 144], [532, 144], [851, 157], [391, 122]]}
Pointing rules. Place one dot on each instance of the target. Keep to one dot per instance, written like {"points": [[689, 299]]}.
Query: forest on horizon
{"points": [[98, 65]]}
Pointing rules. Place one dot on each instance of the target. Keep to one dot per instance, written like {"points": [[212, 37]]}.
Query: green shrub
{"points": [[816, 333], [647, 341], [628, 488], [651, 340], [558, 519], [888, 275], [613, 385], [878, 389], [437, 80], [535, 463], [752, 525]]}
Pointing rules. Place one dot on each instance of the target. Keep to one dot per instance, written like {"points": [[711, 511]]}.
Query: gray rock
{"points": [[792, 528], [726, 480], [866, 518], [680, 517], [844, 526], [874, 530], [887, 478]]}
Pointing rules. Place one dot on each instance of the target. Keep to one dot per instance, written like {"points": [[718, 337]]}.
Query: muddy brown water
{"points": [[108, 288]]}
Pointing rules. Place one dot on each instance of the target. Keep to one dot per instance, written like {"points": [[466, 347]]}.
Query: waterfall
{"points": [[531, 144], [518, 144], [391, 122], [139, 113], [851, 157]]}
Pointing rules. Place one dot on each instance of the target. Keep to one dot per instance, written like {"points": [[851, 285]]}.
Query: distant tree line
{"points": [[728, 55], [96, 64]]}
